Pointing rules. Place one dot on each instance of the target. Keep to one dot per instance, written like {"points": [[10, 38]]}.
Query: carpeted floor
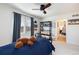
{"points": [[65, 49]]}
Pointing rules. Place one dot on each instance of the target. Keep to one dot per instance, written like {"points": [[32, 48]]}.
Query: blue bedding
{"points": [[41, 47]]}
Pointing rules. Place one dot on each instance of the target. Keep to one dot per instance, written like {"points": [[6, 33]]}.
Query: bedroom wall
{"points": [[72, 31], [6, 23]]}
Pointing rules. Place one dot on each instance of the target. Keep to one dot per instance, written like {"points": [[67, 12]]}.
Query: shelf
{"points": [[45, 29], [45, 34]]}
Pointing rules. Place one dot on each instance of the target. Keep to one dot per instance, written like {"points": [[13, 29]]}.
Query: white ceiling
{"points": [[56, 8]]}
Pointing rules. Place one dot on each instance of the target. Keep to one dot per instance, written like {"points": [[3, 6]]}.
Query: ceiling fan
{"points": [[43, 7]]}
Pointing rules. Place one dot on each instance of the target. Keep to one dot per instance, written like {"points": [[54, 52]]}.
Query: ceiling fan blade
{"points": [[44, 12], [47, 5], [43, 7], [35, 9]]}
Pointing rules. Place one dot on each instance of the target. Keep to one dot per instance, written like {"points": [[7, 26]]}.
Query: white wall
{"points": [[73, 34], [72, 31], [6, 23]]}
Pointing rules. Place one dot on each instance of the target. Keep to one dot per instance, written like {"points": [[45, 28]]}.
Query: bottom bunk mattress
{"points": [[41, 47]]}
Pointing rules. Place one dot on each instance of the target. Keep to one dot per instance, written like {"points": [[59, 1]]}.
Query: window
{"points": [[25, 30]]}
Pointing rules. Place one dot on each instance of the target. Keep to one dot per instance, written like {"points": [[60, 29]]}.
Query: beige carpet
{"points": [[65, 49]]}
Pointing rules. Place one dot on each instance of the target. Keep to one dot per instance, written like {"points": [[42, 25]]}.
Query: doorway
{"points": [[61, 31]]}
